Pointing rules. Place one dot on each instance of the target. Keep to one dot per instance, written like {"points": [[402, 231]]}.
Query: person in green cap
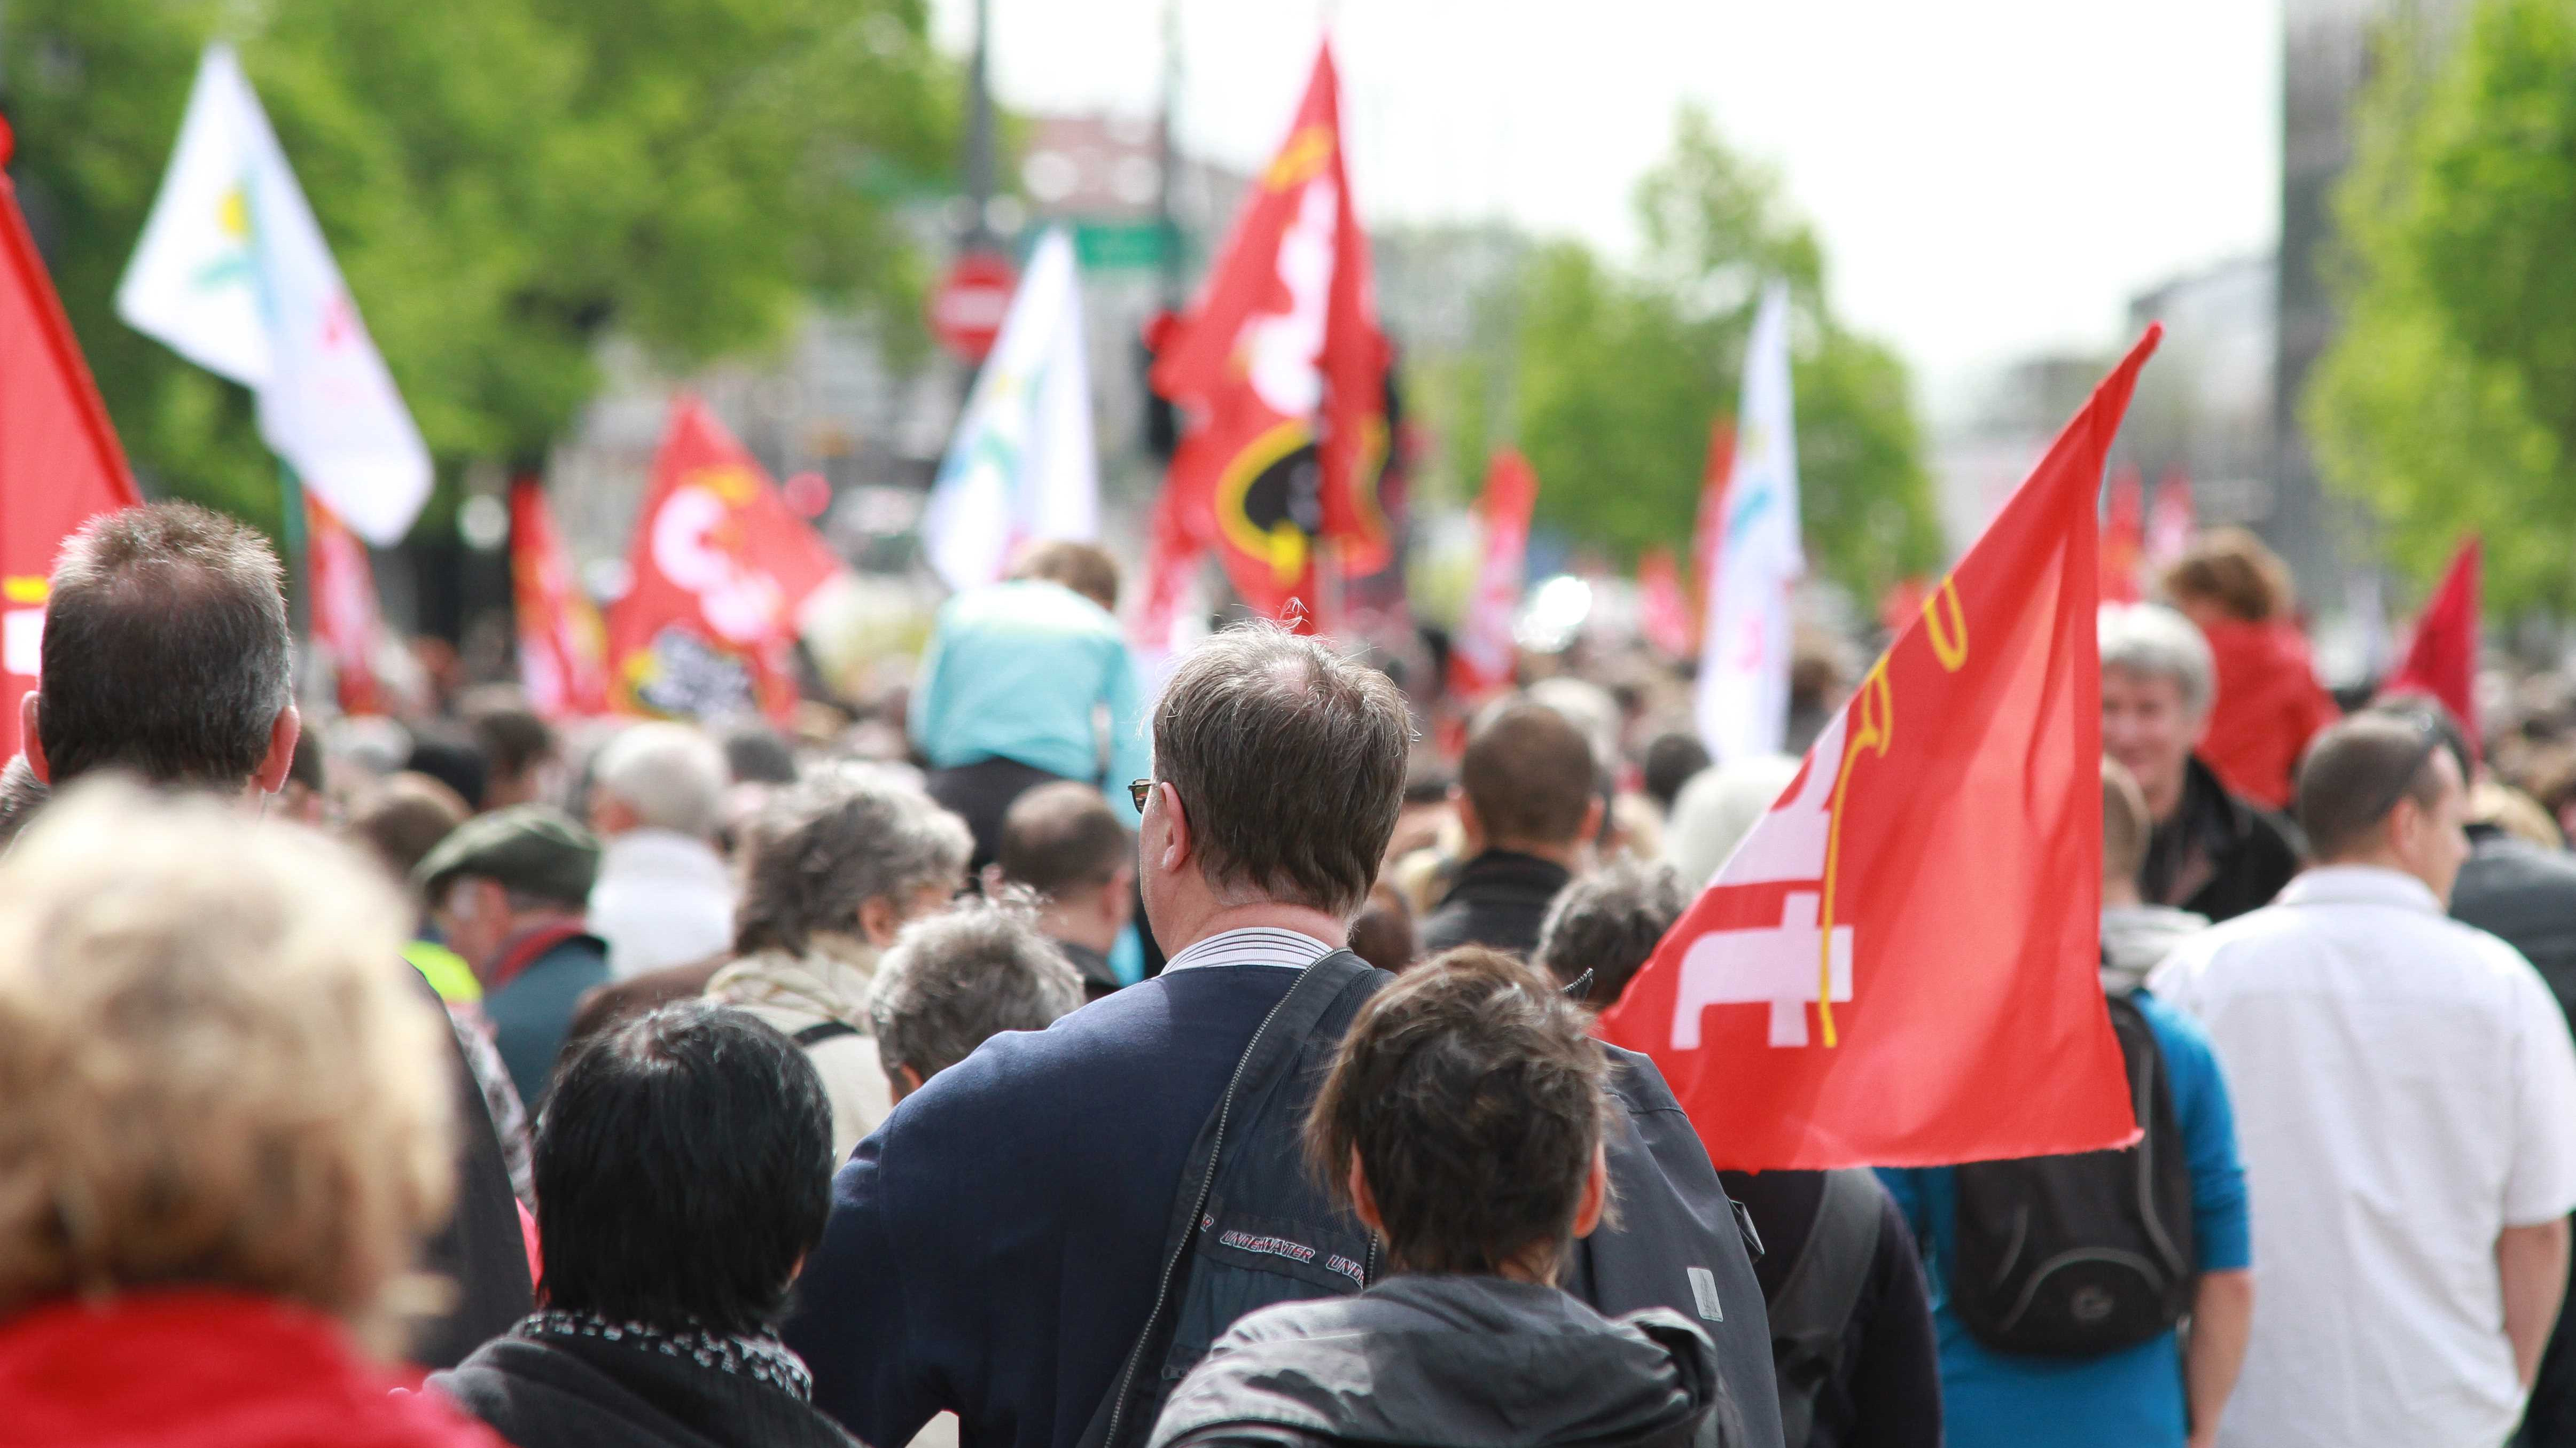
{"points": [[508, 891]]}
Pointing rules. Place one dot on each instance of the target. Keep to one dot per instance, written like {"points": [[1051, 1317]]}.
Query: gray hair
{"points": [[1718, 808], [844, 835], [2154, 642], [956, 979], [672, 774], [1609, 923], [1289, 762]]}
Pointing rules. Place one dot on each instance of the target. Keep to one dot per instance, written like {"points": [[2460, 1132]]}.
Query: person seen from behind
{"points": [[2267, 702], [2381, 1054], [225, 1129], [507, 891], [684, 1170], [1528, 802], [1463, 1123], [957, 979], [1066, 844], [664, 896], [2212, 852]]}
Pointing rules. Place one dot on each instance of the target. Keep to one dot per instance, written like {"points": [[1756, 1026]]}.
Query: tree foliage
{"points": [[2448, 399], [502, 181]]}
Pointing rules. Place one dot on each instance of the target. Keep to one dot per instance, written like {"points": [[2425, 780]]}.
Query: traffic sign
{"points": [[966, 310]]}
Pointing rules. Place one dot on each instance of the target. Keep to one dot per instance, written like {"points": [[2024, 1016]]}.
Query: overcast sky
{"points": [[1989, 176]]}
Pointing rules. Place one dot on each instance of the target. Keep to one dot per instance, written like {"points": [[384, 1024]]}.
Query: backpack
{"points": [[1817, 1297], [2080, 1255]]}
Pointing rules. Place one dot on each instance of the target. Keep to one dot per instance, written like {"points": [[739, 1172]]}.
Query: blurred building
{"points": [[2012, 417], [2204, 414]]}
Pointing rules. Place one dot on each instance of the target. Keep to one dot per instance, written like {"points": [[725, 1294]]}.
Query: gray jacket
{"points": [[1453, 1362]]}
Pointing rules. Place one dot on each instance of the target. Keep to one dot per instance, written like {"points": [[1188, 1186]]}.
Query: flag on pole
{"points": [[1926, 894], [1743, 703], [59, 462], [1282, 372], [1663, 614], [346, 621], [233, 274], [1022, 465], [2442, 657], [1483, 657], [563, 651], [2124, 537], [720, 568], [2171, 523]]}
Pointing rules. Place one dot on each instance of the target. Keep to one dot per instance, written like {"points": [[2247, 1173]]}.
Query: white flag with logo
{"points": [[1743, 704], [1021, 466], [232, 273]]}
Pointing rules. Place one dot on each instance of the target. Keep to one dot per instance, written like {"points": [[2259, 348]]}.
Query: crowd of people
{"points": [[1091, 1066]]}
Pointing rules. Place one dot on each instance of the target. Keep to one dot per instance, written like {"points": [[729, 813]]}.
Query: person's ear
{"points": [[1175, 853], [1596, 1193], [282, 732], [904, 1080], [1364, 1201], [880, 919], [29, 743]]}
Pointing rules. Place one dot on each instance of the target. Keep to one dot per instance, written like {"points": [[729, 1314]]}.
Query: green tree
{"points": [[2447, 400], [502, 181]]}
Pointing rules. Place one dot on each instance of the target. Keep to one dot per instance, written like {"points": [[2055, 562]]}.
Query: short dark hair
{"points": [[166, 649], [1672, 760], [454, 758], [403, 818], [683, 1169], [1530, 774], [1082, 567], [2411, 706], [1063, 836], [755, 754], [514, 738], [1289, 761], [1609, 923], [2356, 772], [1473, 1098]]}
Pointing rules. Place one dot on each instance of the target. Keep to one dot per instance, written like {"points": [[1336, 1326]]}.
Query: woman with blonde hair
{"points": [[225, 1128]]}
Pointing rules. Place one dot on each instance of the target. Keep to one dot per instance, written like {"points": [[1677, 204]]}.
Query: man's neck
{"points": [[1332, 930]]}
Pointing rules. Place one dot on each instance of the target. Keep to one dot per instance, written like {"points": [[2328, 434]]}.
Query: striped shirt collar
{"points": [[1258, 945]]}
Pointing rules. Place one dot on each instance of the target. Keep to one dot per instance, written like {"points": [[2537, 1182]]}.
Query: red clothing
{"points": [[206, 1369], [2269, 706]]}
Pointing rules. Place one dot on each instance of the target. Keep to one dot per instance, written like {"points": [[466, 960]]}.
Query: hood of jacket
{"points": [[1454, 1362], [831, 981], [572, 1380], [2137, 938]]}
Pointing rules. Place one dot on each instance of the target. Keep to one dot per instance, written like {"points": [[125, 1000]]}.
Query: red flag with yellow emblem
{"points": [[1900, 965], [563, 649], [720, 566], [1282, 372]]}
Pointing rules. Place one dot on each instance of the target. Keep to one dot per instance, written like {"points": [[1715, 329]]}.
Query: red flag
{"points": [[1663, 614], [2172, 523], [2442, 658], [1710, 530], [1929, 885], [346, 621], [563, 651], [59, 462], [1483, 657], [720, 566], [2124, 537], [1282, 371]]}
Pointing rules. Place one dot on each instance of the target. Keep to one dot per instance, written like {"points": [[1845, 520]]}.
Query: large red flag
{"points": [[2124, 537], [2442, 658], [1929, 885], [563, 651], [346, 620], [1483, 657], [59, 462], [1282, 372], [719, 568]]}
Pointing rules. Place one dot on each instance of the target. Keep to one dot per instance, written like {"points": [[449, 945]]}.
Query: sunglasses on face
{"points": [[1140, 790]]}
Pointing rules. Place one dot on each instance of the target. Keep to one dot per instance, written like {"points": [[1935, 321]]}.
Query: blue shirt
{"points": [[2134, 1397], [1020, 671]]}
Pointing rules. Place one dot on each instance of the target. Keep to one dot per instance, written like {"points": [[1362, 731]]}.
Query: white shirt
{"points": [[661, 899], [2404, 1090]]}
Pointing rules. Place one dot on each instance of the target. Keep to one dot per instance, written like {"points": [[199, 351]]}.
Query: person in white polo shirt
{"points": [[2405, 1097]]}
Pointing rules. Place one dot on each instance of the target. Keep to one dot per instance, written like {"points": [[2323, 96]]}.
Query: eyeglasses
{"points": [[1140, 790]]}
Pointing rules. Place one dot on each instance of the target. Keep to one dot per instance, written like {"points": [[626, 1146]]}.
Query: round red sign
{"points": [[967, 309]]}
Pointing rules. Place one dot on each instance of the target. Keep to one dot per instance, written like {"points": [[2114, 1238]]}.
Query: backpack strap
{"points": [[1274, 1044], [821, 1031], [1817, 1297]]}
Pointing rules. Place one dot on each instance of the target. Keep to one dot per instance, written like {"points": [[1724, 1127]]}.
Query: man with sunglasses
{"points": [[2405, 1097]]}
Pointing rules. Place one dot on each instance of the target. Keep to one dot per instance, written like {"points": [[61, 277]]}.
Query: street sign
{"points": [[966, 310], [1119, 245]]}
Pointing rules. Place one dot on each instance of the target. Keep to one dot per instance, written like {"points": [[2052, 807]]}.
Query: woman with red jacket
{"points": [[2269, 703]]}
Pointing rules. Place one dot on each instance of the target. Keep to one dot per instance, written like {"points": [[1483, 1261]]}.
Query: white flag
{"points": [[1743, 704], [233, 274], [1021, 466]]}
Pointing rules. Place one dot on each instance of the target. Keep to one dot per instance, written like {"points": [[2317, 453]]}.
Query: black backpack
{"points": [[2075, 1256]]}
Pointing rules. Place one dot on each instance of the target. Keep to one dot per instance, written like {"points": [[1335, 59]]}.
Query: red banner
{"points": [[1483, 657], [1663, 612], [2124, 538], [1282, 373], [1927, 892], [1710, 529], [719, 568], [563, 651], [2442, 658], [59, 462], [346, 620]]}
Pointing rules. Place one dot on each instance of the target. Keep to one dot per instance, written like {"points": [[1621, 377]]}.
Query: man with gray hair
{"points": [[1045, 1236], [959, 978], [664, 896], [2212, 853]]}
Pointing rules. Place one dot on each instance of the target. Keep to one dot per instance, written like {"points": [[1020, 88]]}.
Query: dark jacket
{"points": [[2218, 856], [532, 1013], [1498, 899], [479, 1249], [1453, 1360], [564, 1380]]}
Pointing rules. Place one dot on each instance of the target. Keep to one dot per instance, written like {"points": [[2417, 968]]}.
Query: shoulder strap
{"points": [[1274, 1044], [1817, 1297], [821, 1031]]}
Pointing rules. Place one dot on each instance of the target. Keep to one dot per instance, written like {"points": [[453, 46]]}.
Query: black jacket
{"points": [[1499, 899], [2218, 856], [1453, 1360], [480, 1249], [565, 1381]]}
